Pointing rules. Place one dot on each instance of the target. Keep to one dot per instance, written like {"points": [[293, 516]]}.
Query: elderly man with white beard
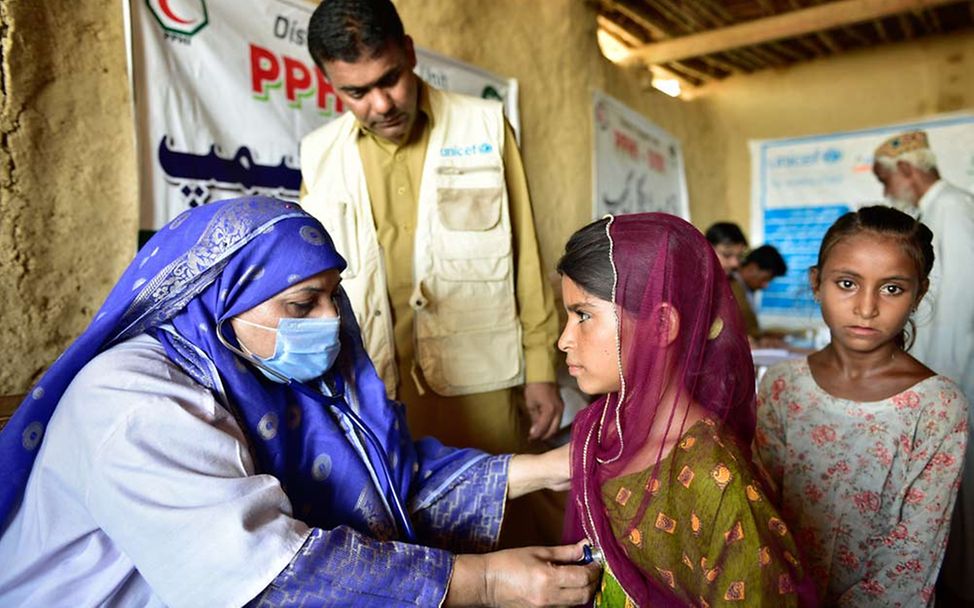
{"points": [[907, 168]]}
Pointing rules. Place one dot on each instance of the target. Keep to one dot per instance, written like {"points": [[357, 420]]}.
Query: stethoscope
{"points": [[337, 400]]}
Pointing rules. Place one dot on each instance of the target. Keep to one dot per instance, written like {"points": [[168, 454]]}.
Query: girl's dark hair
{"points": [[913, 235], [345, 30], [587, 262], [725, 233]]}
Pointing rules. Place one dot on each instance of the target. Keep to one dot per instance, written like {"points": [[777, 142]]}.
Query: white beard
{"points": [[903, 205]]}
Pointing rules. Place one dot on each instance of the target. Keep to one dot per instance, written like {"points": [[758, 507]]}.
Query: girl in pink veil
{"points": [[662, 482]]}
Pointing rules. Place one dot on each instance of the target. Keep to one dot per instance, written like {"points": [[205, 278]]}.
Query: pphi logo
{"points": [[183, 17]]}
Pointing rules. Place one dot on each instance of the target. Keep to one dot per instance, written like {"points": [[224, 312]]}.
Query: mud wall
{"points": [[67, 176]]}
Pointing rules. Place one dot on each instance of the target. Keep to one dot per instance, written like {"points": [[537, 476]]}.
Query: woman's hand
{"points": [[530, 576], [530, 472]]}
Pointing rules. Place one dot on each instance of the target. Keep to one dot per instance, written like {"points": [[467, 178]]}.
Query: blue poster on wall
{"points": [[796, 232], [799, 186]]}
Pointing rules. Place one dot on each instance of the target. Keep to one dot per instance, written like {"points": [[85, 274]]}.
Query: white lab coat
{"points": [[140, 464]]}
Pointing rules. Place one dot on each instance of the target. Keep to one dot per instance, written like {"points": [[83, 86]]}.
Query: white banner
{"points": [[799, 186], [224, 91], [452, 75], [637, 165]]}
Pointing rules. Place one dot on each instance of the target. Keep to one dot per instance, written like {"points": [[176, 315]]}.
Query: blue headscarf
{"points": [[209, 264]]}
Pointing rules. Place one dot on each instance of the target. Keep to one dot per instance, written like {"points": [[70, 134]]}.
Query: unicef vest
{"points": [[467, 332]]}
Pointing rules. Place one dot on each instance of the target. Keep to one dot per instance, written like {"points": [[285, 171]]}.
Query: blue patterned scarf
{"points": [[206, 266]]}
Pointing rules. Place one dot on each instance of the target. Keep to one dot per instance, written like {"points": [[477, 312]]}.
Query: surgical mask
{"points": [[304, 349]]}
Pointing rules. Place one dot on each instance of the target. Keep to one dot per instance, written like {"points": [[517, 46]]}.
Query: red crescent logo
{"points": [[164, 5]]}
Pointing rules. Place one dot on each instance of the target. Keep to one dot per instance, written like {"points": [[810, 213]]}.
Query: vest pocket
{"points": [[479, 269], [472, 362], [470, 221], [470, 237], [469, 209]]}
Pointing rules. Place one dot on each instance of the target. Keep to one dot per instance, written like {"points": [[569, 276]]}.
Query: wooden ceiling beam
{"points": [[850, 30], [823, 37], [640, 18], [720, 17], [787, 25], [674, 12], [633, 40], [618, 31]]}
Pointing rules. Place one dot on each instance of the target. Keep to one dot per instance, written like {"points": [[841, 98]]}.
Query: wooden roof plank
{"points": [[620, 32], [753, 59], [789, 51], [639, 17], [829, 42], [677, 15], [934, 21], [907, 26], [849, 31], [881, 30], [777, 27], [824, 37], [766, 54]]}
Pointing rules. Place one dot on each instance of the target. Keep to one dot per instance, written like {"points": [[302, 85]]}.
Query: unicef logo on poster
{"points": [[180, 17]]}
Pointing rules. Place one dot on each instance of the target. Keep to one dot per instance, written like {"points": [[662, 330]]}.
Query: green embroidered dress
{"points": [[709, 533]]}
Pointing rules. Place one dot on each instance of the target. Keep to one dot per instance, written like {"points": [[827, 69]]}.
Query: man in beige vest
{"points": [[425, 196]]}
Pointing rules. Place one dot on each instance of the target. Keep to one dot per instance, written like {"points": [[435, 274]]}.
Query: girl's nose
{"points": [[866, 305], [564, 340]]}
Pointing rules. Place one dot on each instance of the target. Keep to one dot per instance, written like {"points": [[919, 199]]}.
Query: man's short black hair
{"points": [[767, 258], [345, 30], [725, 233]]}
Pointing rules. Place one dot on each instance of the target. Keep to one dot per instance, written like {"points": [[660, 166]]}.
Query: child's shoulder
{"points": [[710, 464], [938, 389], [792, 367], [785, 375]]}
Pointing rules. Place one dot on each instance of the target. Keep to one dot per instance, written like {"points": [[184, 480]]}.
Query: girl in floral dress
{"points": [[864, 444], [662, 480]]}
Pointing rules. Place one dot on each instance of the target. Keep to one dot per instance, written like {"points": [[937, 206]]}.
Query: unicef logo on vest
{"points": [[471, 150], [180, 17]]}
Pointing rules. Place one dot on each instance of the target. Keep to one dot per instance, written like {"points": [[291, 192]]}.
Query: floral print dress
{"points": [[867, 488]]}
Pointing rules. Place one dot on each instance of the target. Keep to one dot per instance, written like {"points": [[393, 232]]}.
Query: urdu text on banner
{"points": [[224, 91], [637, 165], [801, 185]]}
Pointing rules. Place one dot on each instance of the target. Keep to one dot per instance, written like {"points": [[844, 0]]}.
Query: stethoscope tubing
{"points": [[338, 401]]}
